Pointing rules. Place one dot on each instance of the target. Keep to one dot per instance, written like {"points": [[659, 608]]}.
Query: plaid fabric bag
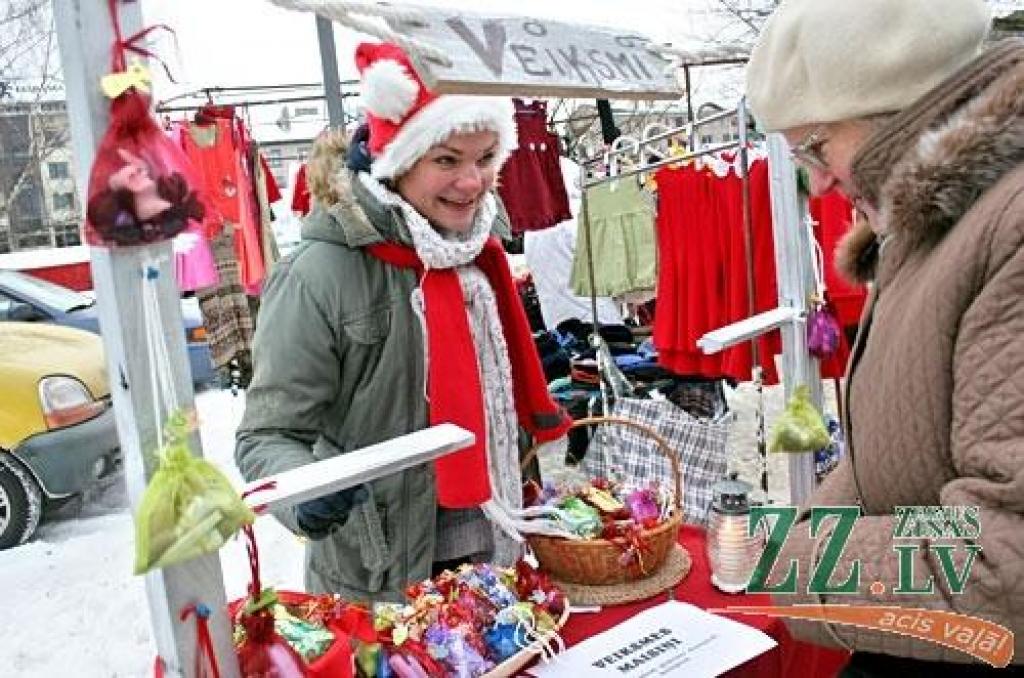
{"points": [[635, 458]]}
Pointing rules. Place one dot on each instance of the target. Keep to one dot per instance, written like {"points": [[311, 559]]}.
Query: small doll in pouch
{"points": [[135, 208]]}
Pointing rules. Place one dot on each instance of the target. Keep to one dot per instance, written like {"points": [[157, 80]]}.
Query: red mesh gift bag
{"points": [[139, 188], [262, 652]]}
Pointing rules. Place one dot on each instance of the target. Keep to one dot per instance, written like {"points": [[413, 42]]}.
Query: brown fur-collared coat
{"points": [[935, 388]]}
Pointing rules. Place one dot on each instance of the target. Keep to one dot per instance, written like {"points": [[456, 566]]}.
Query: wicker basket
{"points": [[597, 562]]}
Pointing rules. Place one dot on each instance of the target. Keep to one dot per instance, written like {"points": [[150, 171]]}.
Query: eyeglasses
{"points": [[809, 151]]}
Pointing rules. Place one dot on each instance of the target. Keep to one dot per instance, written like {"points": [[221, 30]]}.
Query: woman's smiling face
{"points": [[448, 183]]}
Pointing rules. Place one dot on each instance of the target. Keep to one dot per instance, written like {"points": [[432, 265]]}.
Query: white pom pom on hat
{"points": [[388, 91], [406, 119]]}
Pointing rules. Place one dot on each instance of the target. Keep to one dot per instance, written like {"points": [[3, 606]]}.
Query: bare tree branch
{"points": [[730, 7], [26, 10], [27, 55]]}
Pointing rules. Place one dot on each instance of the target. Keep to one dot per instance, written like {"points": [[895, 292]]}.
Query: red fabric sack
{"points": [[141, 188]]}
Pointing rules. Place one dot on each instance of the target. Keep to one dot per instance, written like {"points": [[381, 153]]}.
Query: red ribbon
{"points": [[121, 45], [204, 644], [255, 588]]}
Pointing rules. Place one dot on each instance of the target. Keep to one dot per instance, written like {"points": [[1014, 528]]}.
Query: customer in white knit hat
{"points": [[898, 104], [398, 311]]}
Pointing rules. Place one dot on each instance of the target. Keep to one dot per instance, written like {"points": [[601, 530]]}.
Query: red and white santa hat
{"points": [[406, 119]]}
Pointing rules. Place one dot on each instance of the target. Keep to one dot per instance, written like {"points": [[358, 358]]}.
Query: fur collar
{"points": [[956, 158]]}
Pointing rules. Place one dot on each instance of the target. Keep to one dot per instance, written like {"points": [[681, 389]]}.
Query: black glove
{"points": [[358, 158], [316, 516]]}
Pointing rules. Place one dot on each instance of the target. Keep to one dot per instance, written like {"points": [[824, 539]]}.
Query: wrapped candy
{"points": [[463, 660], [583, 519], [372, 661], [543, 620], [501, 641], [549, 493], [418, 659], [437, 638], [602, 500], [383, 667], [823, 331], [354, 621], [406, 667], [310, 640], [463, 622], [537, 587], [263, 652], [643, 505]]}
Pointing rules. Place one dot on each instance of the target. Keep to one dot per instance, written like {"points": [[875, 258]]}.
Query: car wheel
{"points": [[20, 503]]}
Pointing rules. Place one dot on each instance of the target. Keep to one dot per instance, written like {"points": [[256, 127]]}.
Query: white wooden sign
{"points": [[510, 55], [359, 466]]}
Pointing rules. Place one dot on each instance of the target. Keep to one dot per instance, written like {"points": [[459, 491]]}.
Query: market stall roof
{"points": [[455, 51]]}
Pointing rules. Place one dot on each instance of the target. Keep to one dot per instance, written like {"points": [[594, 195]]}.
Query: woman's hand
{"points": [[317, 516]]}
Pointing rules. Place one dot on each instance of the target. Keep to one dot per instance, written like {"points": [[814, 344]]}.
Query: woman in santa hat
{"points": [[398, 311]]}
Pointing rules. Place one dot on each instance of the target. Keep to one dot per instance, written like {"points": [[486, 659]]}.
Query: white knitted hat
{"points": [[819, 61]]}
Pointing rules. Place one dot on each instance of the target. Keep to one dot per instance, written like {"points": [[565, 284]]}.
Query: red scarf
{"points": [[453, 374]]}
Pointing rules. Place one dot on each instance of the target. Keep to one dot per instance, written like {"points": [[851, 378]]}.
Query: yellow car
{"points": [[57, 430]]}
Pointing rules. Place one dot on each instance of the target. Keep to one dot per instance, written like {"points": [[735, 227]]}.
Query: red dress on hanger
{"points": [[738, 360], [215, 149], [530, 183], [300, 194]]}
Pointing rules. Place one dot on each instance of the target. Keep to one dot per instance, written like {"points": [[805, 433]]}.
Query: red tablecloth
{"points": [[789, 658]]}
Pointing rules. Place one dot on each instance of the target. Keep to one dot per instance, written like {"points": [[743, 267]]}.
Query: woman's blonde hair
{"points": [[326, 166]]}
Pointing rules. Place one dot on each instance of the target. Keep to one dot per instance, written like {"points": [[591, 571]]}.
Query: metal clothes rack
{"points": [[748, 241], [208, 92], [246, 103]]}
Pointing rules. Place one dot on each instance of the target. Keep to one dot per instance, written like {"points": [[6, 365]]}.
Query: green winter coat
{"points": [[338, 365]]}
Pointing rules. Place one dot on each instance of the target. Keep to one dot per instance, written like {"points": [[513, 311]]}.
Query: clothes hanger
{"points": [[652, 148], [612, 157]]}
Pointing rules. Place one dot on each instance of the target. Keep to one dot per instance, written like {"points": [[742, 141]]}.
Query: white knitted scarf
{"points": [[458, 250]]}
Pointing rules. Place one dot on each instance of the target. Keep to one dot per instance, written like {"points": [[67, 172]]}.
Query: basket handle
{"points": [[663, 447]]}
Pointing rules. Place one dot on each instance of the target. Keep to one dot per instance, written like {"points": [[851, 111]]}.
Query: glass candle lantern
{"points": [[732, 552]]}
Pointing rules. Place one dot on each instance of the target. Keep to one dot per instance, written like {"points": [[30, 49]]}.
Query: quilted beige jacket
{"points": [[935, 387]]}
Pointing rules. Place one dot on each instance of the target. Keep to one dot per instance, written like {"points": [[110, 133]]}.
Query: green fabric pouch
{"points": [[801, 427], [188, 509]]}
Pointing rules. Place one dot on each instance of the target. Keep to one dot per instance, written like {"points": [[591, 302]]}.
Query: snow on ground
{"points": [[71, 606]]}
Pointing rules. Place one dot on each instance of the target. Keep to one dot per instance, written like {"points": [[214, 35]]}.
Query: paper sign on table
{"points": [[672, 639]]}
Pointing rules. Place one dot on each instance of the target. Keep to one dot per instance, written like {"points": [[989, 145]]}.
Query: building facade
{"points": [[39, 201]]}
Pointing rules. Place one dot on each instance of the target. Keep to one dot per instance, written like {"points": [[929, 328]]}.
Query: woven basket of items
{"points": [[631, 555]]}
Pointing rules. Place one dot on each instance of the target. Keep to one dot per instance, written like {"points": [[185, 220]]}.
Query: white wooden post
{"points": [[793, 256], [85, 35]]}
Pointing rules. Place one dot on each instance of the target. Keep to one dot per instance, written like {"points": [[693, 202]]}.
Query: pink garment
{"points": [[194, 267], [217, 152]]}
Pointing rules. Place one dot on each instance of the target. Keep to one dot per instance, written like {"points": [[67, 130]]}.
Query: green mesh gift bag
{"points": [[189, 508], [800, 428]]}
